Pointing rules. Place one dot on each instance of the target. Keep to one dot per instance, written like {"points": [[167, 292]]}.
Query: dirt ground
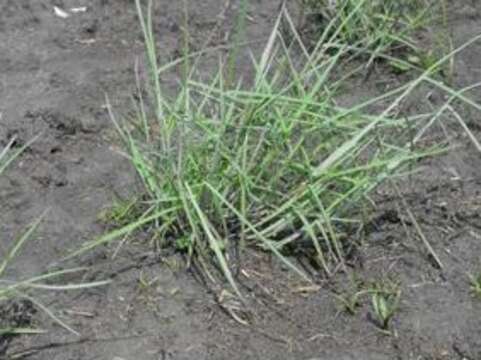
{"points": [[54, 74]]}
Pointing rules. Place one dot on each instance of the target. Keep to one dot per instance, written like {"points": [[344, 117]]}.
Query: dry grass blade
{"points": [[419, 231], [465, 127]]}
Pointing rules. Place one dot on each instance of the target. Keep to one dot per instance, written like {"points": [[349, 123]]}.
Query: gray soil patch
{"points": [[54, 76]]}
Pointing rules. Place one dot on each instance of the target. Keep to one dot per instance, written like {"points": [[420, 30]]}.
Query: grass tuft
{"points": [[385, 298], [378, 25], [270, 161]]}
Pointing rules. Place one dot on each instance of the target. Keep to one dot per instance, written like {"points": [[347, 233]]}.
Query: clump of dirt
{"points": [[55, 73]]}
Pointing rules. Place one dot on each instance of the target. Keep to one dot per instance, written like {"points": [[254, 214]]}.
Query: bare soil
{"points": [[54, 76]]}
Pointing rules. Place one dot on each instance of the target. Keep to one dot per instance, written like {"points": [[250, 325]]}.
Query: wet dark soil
{"points": [[54, 76]]}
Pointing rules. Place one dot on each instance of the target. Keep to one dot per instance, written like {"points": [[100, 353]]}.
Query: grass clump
{"points": [[385, 30], [374, 24], [385, 297], [269, 162]]}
